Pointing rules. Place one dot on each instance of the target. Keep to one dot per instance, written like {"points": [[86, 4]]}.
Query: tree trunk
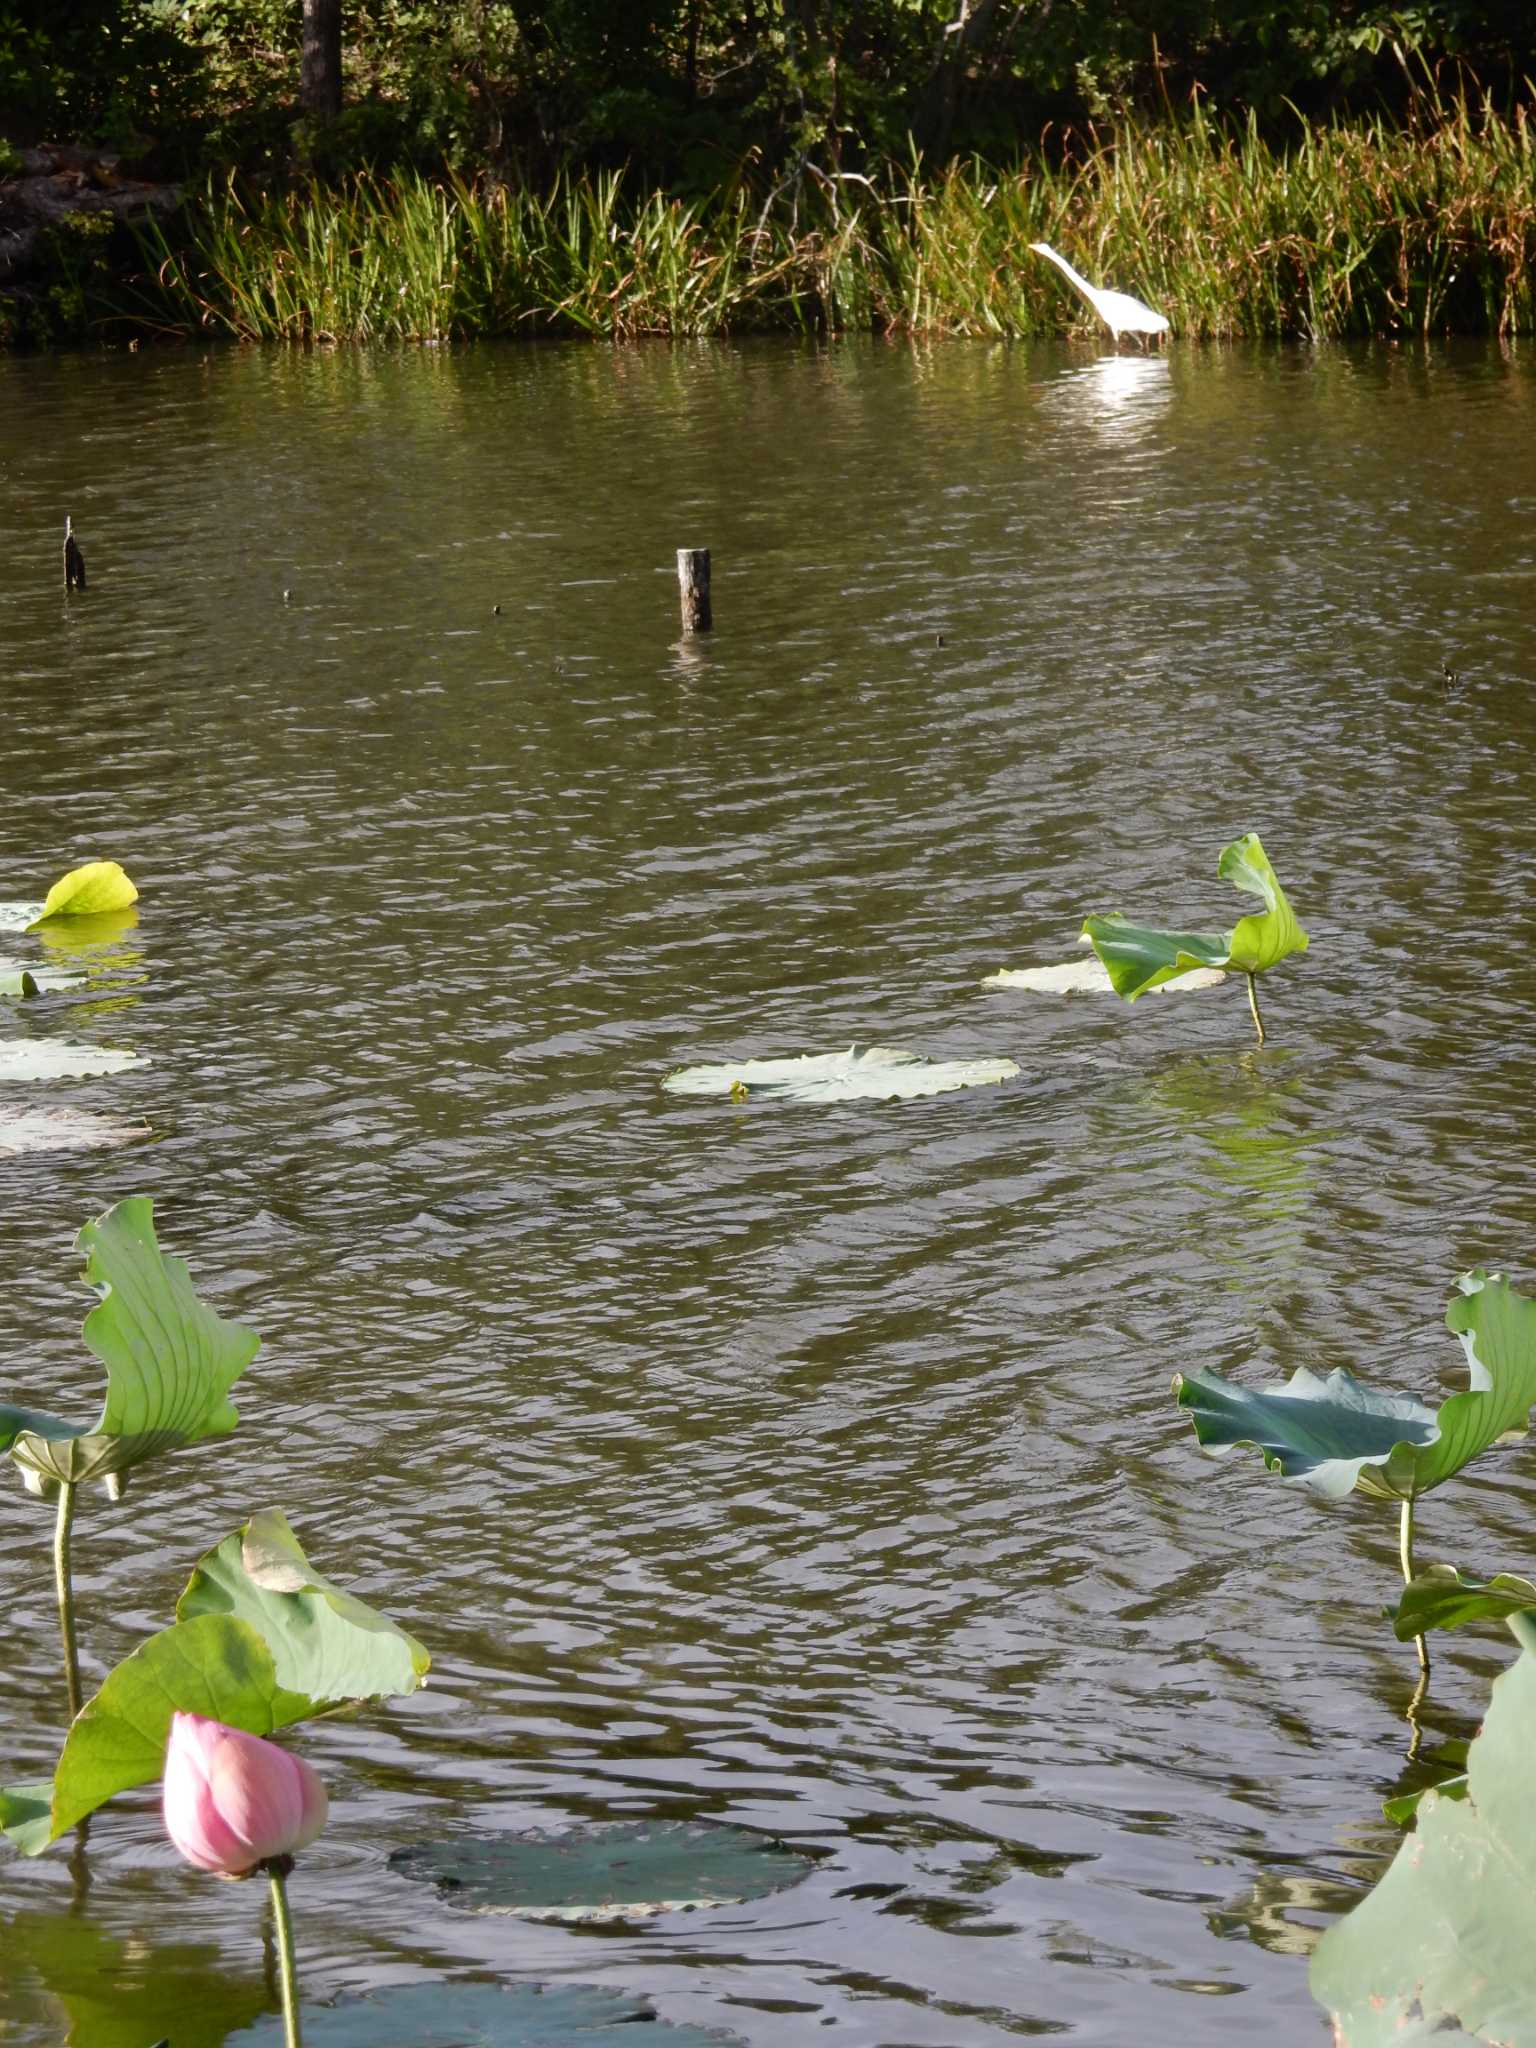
{"points": [[320, 60]]}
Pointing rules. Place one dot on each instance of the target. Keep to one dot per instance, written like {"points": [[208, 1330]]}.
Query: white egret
{"points": [[1120, 313]]}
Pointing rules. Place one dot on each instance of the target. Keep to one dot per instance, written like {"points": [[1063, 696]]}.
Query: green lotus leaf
{"points": [[455, 2014], [880, 1073], [1331, 1435], [1439, 1597], [170, 1361], [18, 982], [1442, 1948], [324, 1642], [87, 891], [1138, 958], [625, 1870], [262, 1640]]}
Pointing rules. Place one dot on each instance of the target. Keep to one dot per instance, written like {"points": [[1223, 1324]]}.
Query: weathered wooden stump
{"points": [[693, 589]]}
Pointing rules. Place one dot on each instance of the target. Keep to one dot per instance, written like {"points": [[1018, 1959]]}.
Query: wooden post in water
{"points": [[693, 589], [74, 561]]}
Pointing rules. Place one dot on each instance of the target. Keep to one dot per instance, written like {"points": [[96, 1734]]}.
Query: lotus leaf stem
{"points": [[1253, 1004], [277, 1868], [65, 1591], [1405, 1552]]}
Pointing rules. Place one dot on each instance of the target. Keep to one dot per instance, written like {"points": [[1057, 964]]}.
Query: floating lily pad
{"points": [[50, 1059], [484, 2016], [622, 1870], [879, 1073], [61, 1130], [1091, 977]]}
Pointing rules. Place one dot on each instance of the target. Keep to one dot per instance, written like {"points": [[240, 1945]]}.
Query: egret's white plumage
{"points": [[1120, 313]]}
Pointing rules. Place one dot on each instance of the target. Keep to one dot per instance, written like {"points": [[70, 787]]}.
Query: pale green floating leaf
{"points": [[625, 1870], [324, 1642], [18, 983], [256, 1655], [100, 885], [170, 1361], [1091, 977], [1138, 957], [61, 1129], [1441, 1949], [479, 2015], [50, 1059], [1335, 1434], [881, 1073]]}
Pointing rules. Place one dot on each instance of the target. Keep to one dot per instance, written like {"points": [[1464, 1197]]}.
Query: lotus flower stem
{"points": [[277, 1868], [65, 1591], [1253, 1004], [1405, 1553]]}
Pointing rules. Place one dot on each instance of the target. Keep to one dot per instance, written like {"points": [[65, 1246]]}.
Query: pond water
{"points": [[810, 1468]]}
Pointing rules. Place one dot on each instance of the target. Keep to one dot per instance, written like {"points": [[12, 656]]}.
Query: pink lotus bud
{"points": [[232, 1800]]}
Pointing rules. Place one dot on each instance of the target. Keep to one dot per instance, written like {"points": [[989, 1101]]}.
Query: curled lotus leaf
{"points": [[622, 1870], [880, 1073], [100, 885], [1439, 1597], [170, 1362], [1333, 1435], [1141, 957], [261, 1640]]}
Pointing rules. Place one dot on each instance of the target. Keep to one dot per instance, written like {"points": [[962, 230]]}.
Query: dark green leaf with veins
{"points": [[1333, 1435]]}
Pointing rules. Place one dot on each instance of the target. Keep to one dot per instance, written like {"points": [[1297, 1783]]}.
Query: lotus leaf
{"points": [[325, 1642], [479, 2015], [1439, 1597], [170, 1362], [629, 1870], [18, 982], [43, 1059], [1331, 1435], [1091, 977], [87, 891], [1139, 958], [257, 1655], [1441, 1948], [880, 1073]]}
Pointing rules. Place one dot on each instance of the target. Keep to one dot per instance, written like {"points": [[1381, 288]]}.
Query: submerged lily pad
{"points": [[479, 2015], [622, 1870], [49, 1059], [61, 1130], [879, 1073]]}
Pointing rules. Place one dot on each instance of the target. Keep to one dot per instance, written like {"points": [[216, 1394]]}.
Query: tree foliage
{"points": [[685, 90]]}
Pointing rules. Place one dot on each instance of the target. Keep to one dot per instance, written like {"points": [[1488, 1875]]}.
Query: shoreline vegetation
{"points": [[1359, 228]]}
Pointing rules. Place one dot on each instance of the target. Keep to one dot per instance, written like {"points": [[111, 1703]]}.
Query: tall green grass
{"points": [[1348, 230]]}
